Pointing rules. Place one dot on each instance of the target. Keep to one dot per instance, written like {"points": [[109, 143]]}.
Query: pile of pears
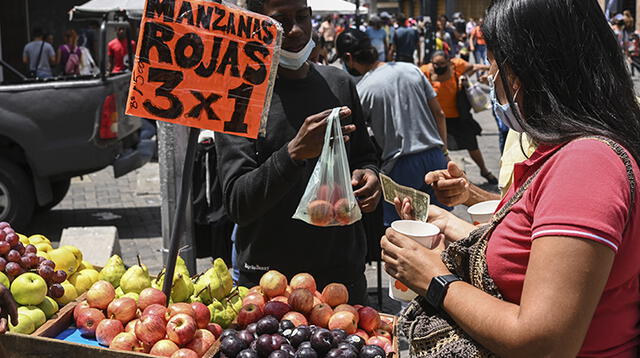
{"points": [[214, 288]]}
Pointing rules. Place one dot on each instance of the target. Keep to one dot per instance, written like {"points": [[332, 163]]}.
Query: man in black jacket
{"points": [[263, 180]]}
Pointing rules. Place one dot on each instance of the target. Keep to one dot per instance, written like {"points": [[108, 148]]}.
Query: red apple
{"points": [[256, 289], [276, 309], [335, 294], [344, 320], [320, 212], [347, 308], [318, 295], [79, 307], [205, 335], [199, 345], [164, 348], [156, 310], [150, 329], [184, 353], [378, 341], [369, 319], [358, 307], [181, 307], [297, 318], [273, 283], [320, 315], [343, 211], [125, 341], [107, 330], [202, 314], [388, 348], [301, 300], [364, 335], [387, 319], [181, 328], [144, 348], [215, 328], [131, 326], [316, 301], [288, 291], [100, 295], [150, 296], [248, 314], [123, 309], [385, 326], [255, 298], [303, 280], [383, 333], [283, 299], [88, 320]]}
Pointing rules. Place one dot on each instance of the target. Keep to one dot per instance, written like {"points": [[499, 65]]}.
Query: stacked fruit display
{"points": [[179, 330], [284, 321], [37, 275]]}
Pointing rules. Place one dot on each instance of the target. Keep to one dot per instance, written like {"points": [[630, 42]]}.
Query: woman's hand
{"points": [[451, 227], [411, 263]]}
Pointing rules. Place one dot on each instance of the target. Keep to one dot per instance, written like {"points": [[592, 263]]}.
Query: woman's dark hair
{"points": [[358, 44], [574, 81], [440, 53]]}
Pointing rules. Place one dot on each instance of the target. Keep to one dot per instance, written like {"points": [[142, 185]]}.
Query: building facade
{"points": [[416, 8]]}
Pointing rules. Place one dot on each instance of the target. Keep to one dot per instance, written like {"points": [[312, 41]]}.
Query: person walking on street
{"points": [[69, 54], [378, 37], [405, 42], [410, 131], [39, 56], [327, 33], [477, 43], [446, 76], [264, 179]]}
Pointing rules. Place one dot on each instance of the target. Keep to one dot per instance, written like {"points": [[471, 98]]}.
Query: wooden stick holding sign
{"points": [[204, 65]]}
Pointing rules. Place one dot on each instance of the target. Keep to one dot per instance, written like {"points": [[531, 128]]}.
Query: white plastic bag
{"points": [[328, 199], [478, 98]]}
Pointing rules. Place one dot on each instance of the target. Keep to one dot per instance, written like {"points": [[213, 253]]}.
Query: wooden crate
{"points": [[41, 343]]}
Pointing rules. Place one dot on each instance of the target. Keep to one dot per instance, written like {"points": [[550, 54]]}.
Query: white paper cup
{"points": [[424, 234], [482, 212]]}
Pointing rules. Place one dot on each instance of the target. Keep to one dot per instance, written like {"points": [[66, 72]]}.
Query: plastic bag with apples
{"points": [[328, 199]]}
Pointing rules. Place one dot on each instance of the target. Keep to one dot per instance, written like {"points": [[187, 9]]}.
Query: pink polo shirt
{"points": [[582, 192]]}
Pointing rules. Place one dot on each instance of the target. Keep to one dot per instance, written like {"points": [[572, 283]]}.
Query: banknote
{"points": [[419, 200]]}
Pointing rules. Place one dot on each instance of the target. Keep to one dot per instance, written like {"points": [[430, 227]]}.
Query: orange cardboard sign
{"points": [[205, 65]]}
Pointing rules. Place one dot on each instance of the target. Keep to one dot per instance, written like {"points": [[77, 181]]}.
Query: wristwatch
{"points": [[438, 289]]}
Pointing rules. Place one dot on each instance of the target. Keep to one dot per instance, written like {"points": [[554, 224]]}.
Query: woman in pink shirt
{"points": [[556, 273]]}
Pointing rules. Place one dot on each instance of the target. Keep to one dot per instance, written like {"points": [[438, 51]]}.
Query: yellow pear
{"points": [[49, 306], [43, 246], [113, 270], [43, 254], [36, 314], [75, 251], [70, 294], [36, 239], [24, 239], [64, 260], [135, 279], [85, 265], [119, 292], [26, 325], [83, 280]]}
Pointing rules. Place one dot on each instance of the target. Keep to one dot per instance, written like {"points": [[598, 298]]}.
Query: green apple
{"points": [[4, 280], [29, 289], [49, 306], [25, 325], [36, 314]]}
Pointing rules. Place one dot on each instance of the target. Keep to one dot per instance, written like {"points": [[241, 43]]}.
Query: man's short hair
{"points": [[255, 5], [37, 32]]}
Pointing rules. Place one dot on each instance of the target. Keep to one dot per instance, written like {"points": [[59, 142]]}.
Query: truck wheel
{"points": [[59, 190], [17, 199]]}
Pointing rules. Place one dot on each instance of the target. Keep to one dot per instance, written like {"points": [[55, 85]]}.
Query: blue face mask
{"points": [[504, 112]]}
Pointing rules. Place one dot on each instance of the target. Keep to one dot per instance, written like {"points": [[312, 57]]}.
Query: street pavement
{"points": [[132, 204]]}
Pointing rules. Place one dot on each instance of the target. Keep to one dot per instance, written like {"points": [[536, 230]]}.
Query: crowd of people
{"points": [[73, 56]]}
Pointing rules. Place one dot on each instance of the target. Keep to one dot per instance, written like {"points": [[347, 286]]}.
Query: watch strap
{"points": [[438, 289]]}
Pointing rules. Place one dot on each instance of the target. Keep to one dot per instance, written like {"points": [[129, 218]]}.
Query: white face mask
{"points": [[295, 60]]}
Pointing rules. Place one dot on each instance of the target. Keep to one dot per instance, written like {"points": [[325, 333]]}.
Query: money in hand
{"points": [[419, 200]]}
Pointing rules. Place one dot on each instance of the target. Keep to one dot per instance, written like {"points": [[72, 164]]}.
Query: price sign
{"points": [[205, 65]]}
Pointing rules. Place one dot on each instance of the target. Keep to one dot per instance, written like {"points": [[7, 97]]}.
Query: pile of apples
{"points": [[302, 304], [181, 330]]}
